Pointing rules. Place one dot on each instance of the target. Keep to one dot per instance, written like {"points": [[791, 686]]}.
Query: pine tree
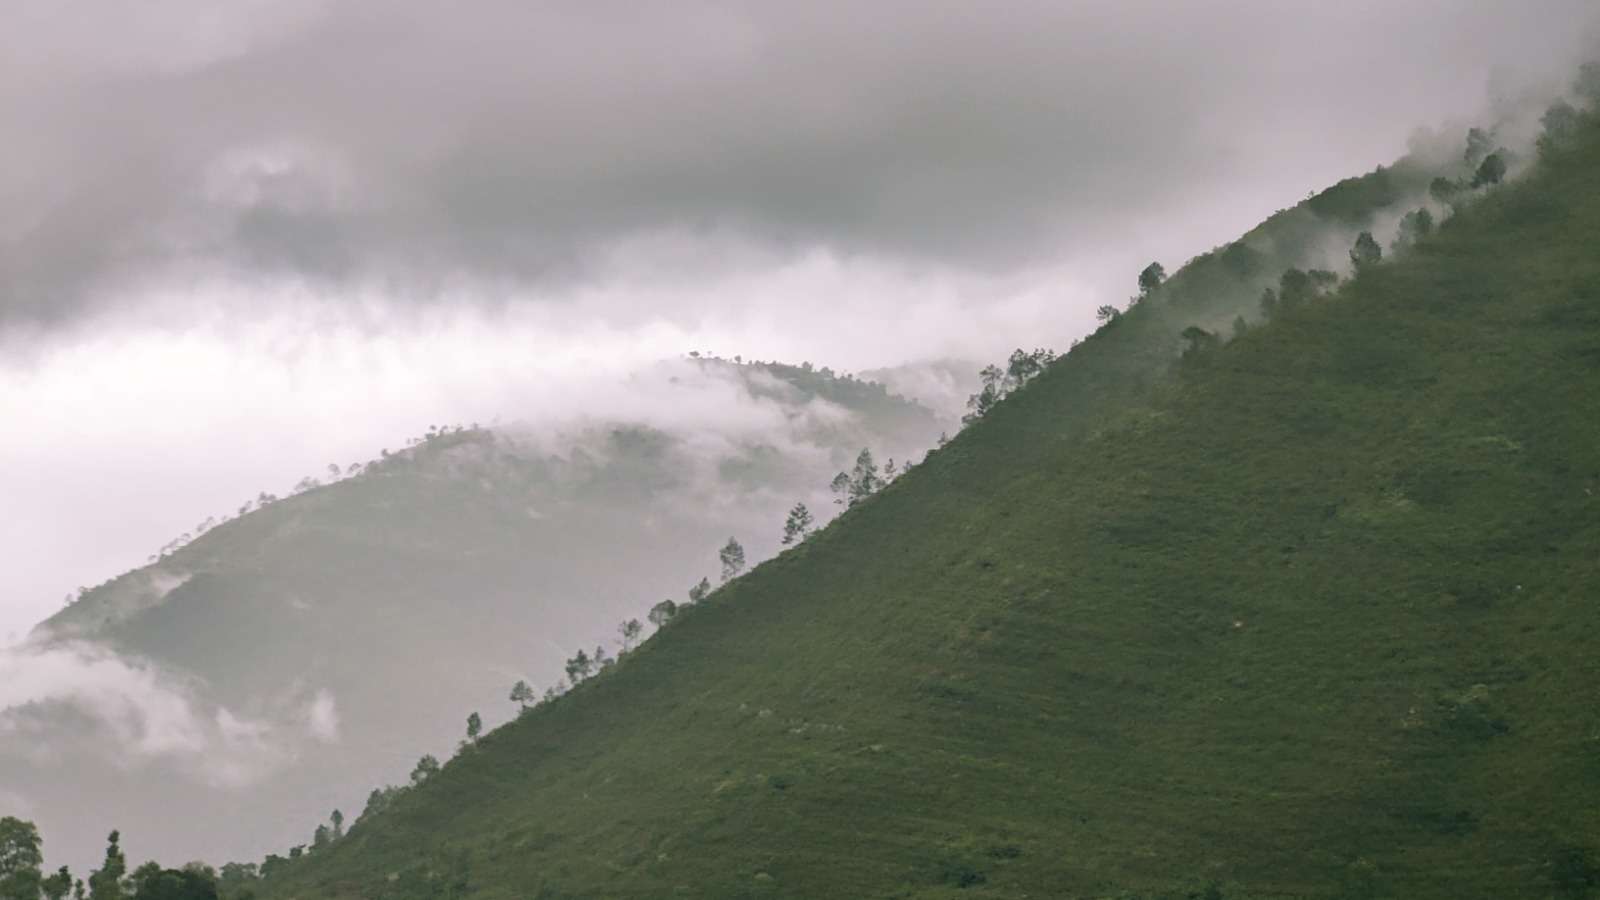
{"points": [[841, 488], [864, 478], [474, 726], [798, 526], [732, 556], [522, 694]]}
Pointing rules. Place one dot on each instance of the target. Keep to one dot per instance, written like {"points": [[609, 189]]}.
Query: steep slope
{"points": [[1313, 617], [295, 626], [293, 632]]}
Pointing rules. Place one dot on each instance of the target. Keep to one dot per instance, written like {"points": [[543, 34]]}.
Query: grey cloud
{"points": [[415, 144], [135, 712]]}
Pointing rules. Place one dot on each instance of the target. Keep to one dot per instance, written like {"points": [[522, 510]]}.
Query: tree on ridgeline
{"points": [[991, 392], [474, 727], [700, 591], [628, 634], [1151, 278], [732, 557], [377, 801], [1106, 314], [338, 824], [427, 767], [840, 486], [579, 667], [522, 695], [662, 613], [1021, 368], [798, 526], [864, 478]]}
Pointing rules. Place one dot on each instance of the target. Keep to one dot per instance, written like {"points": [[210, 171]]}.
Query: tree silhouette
{"points": [[798, 525], [700, 591], [20, 859], [628, 633], [1491, 172], [105, 883], [1151, 278], [732, 557], [864, 478], [579, 667], [662, 613], [1366, 251], [522, 694], [427, 767]]}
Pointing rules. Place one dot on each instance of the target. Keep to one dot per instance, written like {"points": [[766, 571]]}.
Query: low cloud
{"points": [[137, 715]]}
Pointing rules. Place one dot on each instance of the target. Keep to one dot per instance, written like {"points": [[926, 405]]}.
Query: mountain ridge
{"points": [[1281, 624]]}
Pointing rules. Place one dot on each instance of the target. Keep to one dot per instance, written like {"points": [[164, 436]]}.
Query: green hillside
{"points": [[1314, 616], [489, 553]]}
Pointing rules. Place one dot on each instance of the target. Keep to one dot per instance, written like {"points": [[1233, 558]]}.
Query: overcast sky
{"points": [[241, 240]]}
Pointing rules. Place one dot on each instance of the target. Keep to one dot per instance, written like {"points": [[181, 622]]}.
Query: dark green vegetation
{"points": [[22, 878], [1313, 616]]}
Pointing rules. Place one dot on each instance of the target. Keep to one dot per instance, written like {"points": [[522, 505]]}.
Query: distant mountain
{"points": [[284, 662], [1302, 608], [943, 385]]}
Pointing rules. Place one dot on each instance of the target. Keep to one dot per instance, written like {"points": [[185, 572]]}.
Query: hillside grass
{"points": [[1312, 617]]}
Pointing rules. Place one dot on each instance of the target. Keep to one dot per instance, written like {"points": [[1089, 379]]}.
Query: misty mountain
{"points": [[321, 643], [282, 663], [1310, 614]]}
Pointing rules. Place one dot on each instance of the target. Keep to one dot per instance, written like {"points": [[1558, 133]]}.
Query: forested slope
{"points": [[1313, 615]]}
